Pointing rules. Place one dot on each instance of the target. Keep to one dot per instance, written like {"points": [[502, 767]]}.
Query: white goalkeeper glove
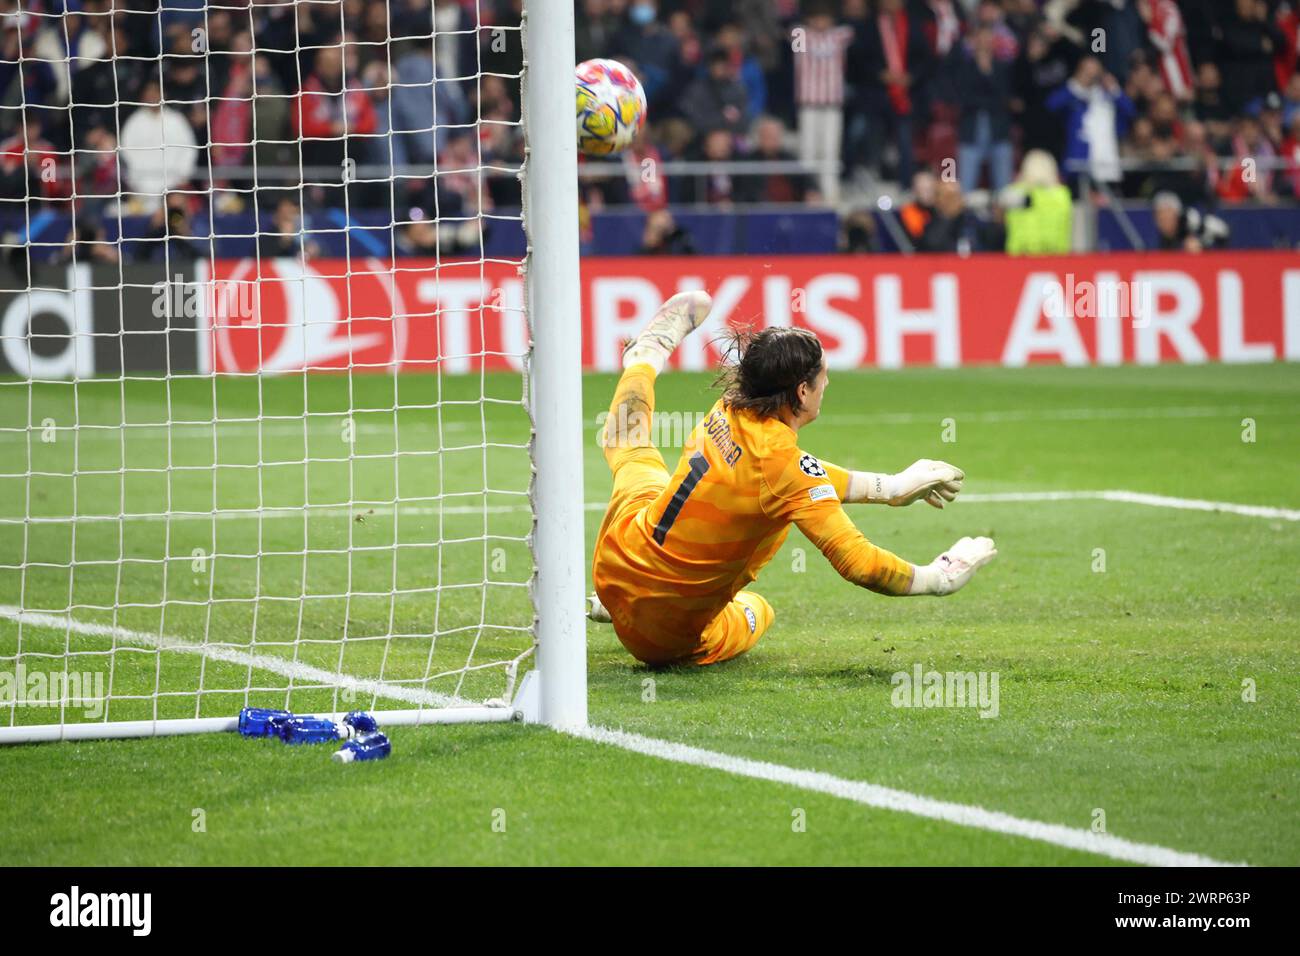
{"points": [[951, 570], [933, 481]]}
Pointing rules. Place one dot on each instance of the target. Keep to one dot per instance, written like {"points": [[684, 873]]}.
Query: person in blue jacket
{"points": [[1097, 114]]}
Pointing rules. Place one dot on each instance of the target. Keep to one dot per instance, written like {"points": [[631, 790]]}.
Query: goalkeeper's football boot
{"points": [[596, 611], [677, 318]]}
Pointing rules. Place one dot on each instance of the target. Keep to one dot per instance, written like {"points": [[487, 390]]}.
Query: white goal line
{"points": [[902, 801], [382, 509], [857, 791], [312, 678]]}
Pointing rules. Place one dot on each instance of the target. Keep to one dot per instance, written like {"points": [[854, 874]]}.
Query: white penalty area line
{"points": [[868, 794], [1136, 498], [901, 801], [379, 420], [1056, 414]]}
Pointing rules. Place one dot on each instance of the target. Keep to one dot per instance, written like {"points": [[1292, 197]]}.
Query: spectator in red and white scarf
{"points": [[894, 26], [943, 26], [1168, 35], [232, 120]]}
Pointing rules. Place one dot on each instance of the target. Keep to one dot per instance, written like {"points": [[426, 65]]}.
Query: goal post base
{"points": [[528, 699]]}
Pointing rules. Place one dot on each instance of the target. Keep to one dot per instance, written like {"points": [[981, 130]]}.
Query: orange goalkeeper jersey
{"points": [[742, 480]]}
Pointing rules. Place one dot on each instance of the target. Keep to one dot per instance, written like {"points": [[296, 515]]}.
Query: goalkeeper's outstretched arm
{"points": [[859, 561]]}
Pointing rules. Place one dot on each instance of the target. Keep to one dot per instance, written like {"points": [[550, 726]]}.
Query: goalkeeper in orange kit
{"points": [[675, 552]]}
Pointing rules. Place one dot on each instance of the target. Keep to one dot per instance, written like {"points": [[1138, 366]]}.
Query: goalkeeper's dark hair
{"points": [[763, 370]]}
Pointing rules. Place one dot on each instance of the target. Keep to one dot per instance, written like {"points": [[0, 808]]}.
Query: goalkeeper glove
{"points": [[934, 481], [951, 570]]}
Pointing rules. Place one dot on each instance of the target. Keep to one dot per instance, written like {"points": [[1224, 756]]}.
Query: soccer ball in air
{"points": [[611, 107]]}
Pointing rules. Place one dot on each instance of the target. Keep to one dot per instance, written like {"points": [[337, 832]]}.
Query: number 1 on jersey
{"points": [[699, 465]]}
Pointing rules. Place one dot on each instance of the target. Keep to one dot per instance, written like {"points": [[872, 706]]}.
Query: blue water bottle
{"points": [[261, 721], [361, 722], [369, 747], [312, 730]]}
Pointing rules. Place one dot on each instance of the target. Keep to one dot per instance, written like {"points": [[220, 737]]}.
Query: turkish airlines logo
{"points": [[288, 317]]}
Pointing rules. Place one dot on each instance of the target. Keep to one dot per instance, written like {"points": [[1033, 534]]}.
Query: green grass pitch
{"points": [[1123, 692]]}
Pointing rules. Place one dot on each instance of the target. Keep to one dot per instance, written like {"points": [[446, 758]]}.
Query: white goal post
{"points": [[555, 304], [279, 434]]}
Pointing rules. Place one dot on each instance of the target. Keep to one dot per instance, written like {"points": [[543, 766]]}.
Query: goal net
{"points": [[267, 370]]}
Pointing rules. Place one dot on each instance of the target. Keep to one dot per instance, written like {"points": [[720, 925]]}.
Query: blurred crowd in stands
{"points": [[1196, 102], [182, 111]]}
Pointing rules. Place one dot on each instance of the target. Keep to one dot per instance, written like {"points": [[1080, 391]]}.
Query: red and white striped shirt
{"points": [[819, 65], [1169, 37]]}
